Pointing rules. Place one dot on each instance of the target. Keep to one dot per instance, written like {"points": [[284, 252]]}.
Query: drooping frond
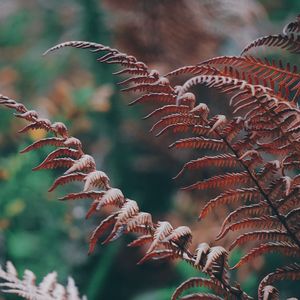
{"points": [[290, 272], [289, 42], [48, 289], [199, 282]]}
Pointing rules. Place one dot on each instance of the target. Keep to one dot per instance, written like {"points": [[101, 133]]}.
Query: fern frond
{"points": [[157, 255], [142, 240], [155, 98], [227, 180], [70, 153], [273, 235], [261, 69], [290, 43], [96, 179], [168, 109], [199, 282], [286, 248], [163, 230], [245, 194], [291, 272], [264, 98], [222, 160], [64, 162], [84, 163], [261, 222], [200, 142], [141, 219], [101, 228], [64, 179], [259, 209], [83, 195], [172, 119], [48, 289], [52, 141]]}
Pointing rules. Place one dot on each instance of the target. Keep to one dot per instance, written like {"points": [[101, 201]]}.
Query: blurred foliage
{"points": [[42, 234]]}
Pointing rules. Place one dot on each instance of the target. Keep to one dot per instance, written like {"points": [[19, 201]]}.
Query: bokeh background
{"points": [[42, 234]]}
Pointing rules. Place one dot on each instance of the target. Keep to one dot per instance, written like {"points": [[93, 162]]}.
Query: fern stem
{"points": [[264, 194]]}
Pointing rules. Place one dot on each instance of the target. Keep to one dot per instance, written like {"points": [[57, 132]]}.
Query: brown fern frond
{"points": [[261, 69], [273, 235], [197, 129], [260, 222], [289, 202], [176, 128], [228, 180], [155, 98], [102, 227], [245, 194], [201, 143], [96, 179], [64, 162], [33, 126], [52, 141], [259, 209], [289, 42], [64, 179], [168, 109], [70, 153], [194, 70], [149, 88], [141, 219], [181, 236], [189, 119], [225, 83], [214, 256], [286, 248], [163, 230], [138, 80], [201, 254], [112, 196], [48, 289], [83, 195], [222, 160], [114, 56], [290, 272], [128, 210], [199, 282], [84, 163], [140, 241], [264, 98], [157, 255]]}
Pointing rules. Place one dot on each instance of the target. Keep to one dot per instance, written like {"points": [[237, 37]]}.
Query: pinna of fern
{"points": [[266, 124]]}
